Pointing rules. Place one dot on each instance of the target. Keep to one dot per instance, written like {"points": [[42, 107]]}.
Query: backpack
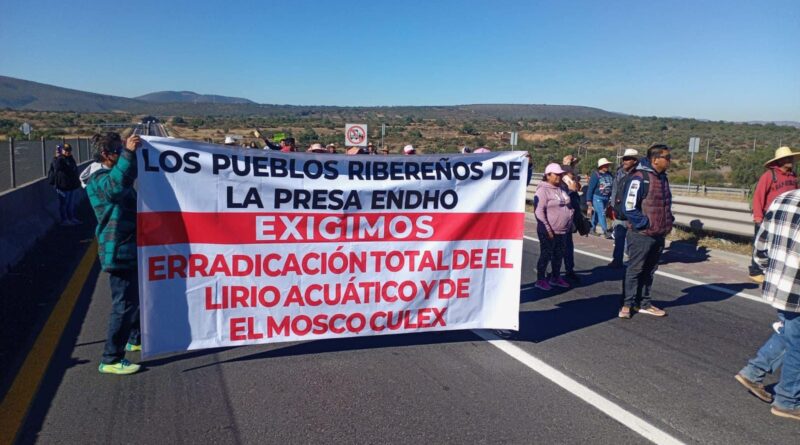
{"points": [[51, 175]]}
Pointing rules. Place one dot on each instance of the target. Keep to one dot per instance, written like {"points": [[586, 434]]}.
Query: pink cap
{"points": [[553, 168], [482, 150]]}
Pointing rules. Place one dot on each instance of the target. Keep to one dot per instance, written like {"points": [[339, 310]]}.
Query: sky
{"points": [[721, 60]]}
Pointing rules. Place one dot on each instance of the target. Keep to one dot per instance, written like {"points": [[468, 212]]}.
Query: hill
{"points": [[191, 97], [18, 94], [21, 94]]}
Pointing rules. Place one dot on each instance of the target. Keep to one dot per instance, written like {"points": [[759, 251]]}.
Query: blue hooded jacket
{"points": [[657, 219]]}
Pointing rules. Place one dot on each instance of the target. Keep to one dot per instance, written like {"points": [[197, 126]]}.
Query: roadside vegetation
{"points": [[735, 152]]}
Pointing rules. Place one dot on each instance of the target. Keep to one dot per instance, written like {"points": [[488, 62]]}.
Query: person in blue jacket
{"points": [[599, 192]]}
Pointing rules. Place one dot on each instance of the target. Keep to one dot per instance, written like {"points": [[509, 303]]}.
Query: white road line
{"points": [[611, 409], [677, 277]]}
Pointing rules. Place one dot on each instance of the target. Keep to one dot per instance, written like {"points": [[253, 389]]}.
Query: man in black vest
{"points": [[648, 207]]}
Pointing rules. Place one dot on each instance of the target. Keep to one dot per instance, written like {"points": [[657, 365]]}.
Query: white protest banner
{"points": [[244, 246]]}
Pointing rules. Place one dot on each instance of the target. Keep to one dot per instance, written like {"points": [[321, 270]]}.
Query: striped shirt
{"points": [[777, 251]]}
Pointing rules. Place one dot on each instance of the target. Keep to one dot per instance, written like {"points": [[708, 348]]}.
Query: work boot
{"points": [[756, 389]]}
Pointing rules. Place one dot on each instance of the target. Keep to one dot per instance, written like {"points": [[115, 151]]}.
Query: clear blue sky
{"points": [[732, 60]]}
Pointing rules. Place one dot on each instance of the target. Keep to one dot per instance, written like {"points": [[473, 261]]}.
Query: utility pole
{"points": [[754, 145], [708, 142]]}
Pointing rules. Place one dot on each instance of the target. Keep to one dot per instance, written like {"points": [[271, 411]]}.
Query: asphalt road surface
{"points": [[673, 375]]}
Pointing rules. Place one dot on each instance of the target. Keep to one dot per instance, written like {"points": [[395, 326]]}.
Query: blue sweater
{"points": [[600, 184]]}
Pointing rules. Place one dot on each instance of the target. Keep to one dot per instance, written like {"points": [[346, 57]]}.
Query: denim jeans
{"points": [[66, 204], [768, 359], [787, 391], [620, 232], [754, 269], [599, 203], [551, 251], [123, 323], [644, 252]]}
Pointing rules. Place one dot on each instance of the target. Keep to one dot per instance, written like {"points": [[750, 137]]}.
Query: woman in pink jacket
{"points": [[553, 222]]}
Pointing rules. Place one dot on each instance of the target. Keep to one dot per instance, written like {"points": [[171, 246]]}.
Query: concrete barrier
{"points": [[27, 213]]}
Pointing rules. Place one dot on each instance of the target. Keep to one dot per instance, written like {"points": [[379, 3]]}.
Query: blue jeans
{"points": [[66, 204], [620, 232], [599, 203], [123, 323], [768, 359], [787, 391]]}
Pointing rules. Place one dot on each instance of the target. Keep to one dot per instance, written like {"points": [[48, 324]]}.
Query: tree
{"points": [[748, 167], [307, 136], [469, 129]]}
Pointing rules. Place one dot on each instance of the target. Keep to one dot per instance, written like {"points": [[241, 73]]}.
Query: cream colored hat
{"points": [[783, 152], [630, 153], [603, 161]]}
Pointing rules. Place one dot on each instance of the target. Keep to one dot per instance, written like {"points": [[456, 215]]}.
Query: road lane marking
{"points": [[676, 277], [611, 409], [14, 407]]}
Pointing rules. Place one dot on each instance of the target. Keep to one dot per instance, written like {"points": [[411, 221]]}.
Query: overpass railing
{"points": [[703, 214], [23, 161]]}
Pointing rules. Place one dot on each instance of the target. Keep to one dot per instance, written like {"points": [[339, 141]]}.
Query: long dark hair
{"points": [[102, 144]]}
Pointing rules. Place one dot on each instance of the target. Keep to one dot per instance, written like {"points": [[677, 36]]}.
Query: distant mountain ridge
{"points": [[19, 94], [191, 97]]}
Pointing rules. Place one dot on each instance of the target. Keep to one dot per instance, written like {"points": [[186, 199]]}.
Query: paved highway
{"points": [[671, 377]]}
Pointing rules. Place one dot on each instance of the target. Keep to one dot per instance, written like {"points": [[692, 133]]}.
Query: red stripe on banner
{"points": [[157, 228]]}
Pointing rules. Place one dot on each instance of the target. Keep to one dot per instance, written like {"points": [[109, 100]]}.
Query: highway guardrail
{"points": [[702, 214]]}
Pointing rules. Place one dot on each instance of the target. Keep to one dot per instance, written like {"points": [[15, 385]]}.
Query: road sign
{"points": [[694, 145], [355, 135], [514, 138], [25, 129]]}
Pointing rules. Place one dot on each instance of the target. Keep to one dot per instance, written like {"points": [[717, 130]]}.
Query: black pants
{"points": [[123, 323], [754, 269], [551, 251], [644, 252]]}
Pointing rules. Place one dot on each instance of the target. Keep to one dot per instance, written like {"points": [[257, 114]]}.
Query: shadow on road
{"points": [[704, 294], [352, 344], [684, 251]]}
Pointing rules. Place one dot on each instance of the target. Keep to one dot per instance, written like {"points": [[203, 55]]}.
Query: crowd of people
{"points": [[638, 200], [636, 197]]}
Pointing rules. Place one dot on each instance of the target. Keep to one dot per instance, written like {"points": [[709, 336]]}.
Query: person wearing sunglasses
{"points": [[648, 209], [109, 186]]}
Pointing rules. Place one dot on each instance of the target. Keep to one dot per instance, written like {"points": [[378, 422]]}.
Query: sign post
{"points": [[514, 139], [694, 147], [26, 130], [383, 133], [355, 135]]}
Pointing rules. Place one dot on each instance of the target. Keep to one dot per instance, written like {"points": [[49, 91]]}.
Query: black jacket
{"points": [[64, 174]]}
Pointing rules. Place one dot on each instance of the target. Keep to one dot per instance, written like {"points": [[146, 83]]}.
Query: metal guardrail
{"points": [[27, 161], [703, 214], [705, 190]]}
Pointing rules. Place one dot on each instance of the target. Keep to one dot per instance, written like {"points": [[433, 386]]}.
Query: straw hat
{"points": [[316, 148], [603, 161], [783, 152]]}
